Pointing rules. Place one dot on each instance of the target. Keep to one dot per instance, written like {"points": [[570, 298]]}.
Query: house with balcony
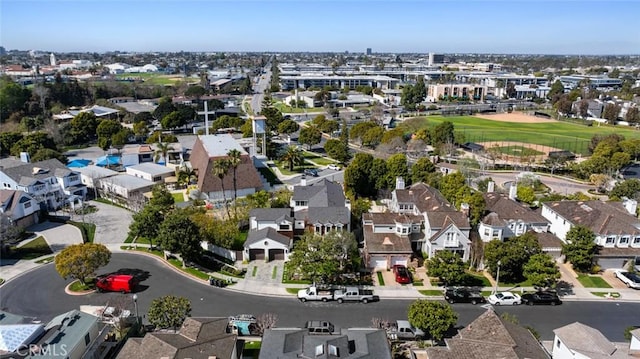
{"points": [[615, 225], [508, 218], [21, 209], [445, 227], [320, 207], [49, 182], [388, 238]]}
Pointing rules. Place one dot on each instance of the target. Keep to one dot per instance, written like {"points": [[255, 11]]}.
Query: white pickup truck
{"points": [[315, 293], [632, 280], [403, 330]]}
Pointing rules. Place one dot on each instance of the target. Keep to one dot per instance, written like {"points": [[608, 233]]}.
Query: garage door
{"points": [[276, 254], [255, 254], [399, 260], [378, 262]]}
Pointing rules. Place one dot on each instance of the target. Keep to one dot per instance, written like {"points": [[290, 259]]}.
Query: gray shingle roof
{"points": [[430, 200], [271, 214], [577, 336], [48, 168], [320, 194], [508, 210], [270, 233], [333, 215], [601, 217]]}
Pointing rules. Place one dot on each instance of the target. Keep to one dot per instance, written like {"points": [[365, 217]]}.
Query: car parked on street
{"points": [[505, 298], [463, 295], [542, 297], [632, 280], [334, 167], [402, 274], [311, 172]]}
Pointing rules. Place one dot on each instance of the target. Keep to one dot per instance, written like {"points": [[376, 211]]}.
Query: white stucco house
{"points": [[21, 209], [580, 341], [267, 244], [150, 171]]}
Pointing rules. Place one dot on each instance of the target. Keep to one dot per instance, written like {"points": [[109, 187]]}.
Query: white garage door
{"points": [[399, 260], [377, 262]]}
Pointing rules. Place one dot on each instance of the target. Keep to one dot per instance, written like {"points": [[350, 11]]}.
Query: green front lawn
{"points": [[32, 250], [380, 278], [284, 168], [606, 294], [76, 286], [592, 281], [178, 197]]}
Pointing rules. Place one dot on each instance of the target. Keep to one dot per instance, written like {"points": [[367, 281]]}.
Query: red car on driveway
{"points": [[402, 274]]}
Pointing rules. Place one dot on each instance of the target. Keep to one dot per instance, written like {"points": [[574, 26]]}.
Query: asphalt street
{"points": [[40, 294]]}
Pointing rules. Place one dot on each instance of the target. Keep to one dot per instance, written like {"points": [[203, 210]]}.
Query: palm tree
{"points": [[293, 156], [234, 160], [220, 169], [187, 175], [163, 150]]}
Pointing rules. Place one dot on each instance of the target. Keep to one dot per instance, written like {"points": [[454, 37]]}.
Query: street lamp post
{"points": [[135, 304], [495, 289]]}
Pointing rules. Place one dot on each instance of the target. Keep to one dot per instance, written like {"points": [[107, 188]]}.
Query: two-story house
{"points": [[445, 228], [320, 207], [21, 209], [507, 218], [270, 234], [615, 225], [49, 182], [388, 238]]}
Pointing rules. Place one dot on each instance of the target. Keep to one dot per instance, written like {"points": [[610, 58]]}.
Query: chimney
{"points": [[631, 205], [24, 157], [491, 187], [399, 183], [387, 241], [464, 208], [303, 181], [513, 191]]}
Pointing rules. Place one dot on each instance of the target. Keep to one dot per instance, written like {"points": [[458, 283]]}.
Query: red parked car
{"points": [[117, 283], [402, 274]]}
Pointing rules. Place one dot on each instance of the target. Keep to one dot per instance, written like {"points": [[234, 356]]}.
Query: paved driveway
{"points": [[58, 235], [112, 223]]}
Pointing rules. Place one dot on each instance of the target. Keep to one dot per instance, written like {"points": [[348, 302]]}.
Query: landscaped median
{"points": [[177, 264]]}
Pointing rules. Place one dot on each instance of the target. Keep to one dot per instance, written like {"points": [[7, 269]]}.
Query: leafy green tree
{"points": [[397, 167], [80, 261], [442, 134], [145, 117], [580, 248], [162, 152], [7, 140], [281, 198], [293, 157], [158, 136], [512, 254], [447, 266], [222, 233], [47, 153], [161, 198], [288, 127], [373, 137], [557, 89], [196, 91], [172, 120], [434, 318], [169, 312], [392, 134], [628, 188], [526, 194], [631, 147], [140, 129], [32, 143], [359, 129], [310, 136], [13, 97], [378, 177], [106, 130], [357, 176], [322, 257], [165, 107], [477, 207], [633, 115], [274, 117], [337, 150], [611, 112], [145, 223], [450, 184], [541, 270], [179, 234]]}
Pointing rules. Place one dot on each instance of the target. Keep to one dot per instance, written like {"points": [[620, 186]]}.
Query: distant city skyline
{"points": [[390, 26]]}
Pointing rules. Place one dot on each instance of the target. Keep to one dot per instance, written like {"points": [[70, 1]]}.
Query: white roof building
{"points": [[220, 145]]}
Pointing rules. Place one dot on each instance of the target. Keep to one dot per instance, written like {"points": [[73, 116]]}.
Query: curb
{"points": [[70, 292]]}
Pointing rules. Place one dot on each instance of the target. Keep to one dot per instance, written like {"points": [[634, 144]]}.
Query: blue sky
{"points": [[507, 26]]}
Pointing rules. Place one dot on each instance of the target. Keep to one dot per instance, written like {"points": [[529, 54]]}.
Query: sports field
{"points": [[555, 134], [155, 78]]}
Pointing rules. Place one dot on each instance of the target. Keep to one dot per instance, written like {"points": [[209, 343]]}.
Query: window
{"points": [[284, 227], [27, 205], [624, 240], [486, 231], [87, 339], [156, 178], [319, 350], [404, 230], [333, 350], [610, 240], [318, 228], [496, 232], [636, 240], [558, 343], [301, 203]]}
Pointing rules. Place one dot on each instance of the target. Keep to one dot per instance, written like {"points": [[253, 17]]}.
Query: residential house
{"points": [[91, 175], [615, 225], [507, 218], [50, 182], [151, 172], [206, 150], [279, 219], [388, 238], [198, 338], [267, 244], [580, 341], [489, 336], [21, 209], [17, 334], [125, 190], [133, 155], [348, 344], [445, 228], [320, 207]]}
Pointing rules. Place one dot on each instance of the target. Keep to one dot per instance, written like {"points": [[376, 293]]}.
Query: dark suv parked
{"points": [[550, 298], [463, 295], [311, 172]]}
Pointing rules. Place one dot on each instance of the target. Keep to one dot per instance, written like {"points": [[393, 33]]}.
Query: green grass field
{"points": [[519, 151], [563, 135], [592, 281], [34, 249], [154, 78]]}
